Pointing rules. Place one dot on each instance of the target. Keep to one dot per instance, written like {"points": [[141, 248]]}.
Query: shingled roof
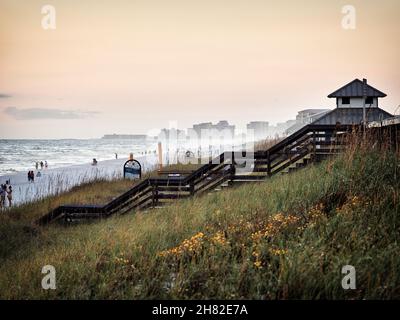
{"points": [[355, 89]]}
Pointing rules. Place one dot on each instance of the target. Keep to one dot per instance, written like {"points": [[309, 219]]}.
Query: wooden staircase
{"points": [[310, 144]]}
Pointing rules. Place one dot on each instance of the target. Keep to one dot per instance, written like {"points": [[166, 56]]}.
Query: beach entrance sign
{"points": [[132, 169]]}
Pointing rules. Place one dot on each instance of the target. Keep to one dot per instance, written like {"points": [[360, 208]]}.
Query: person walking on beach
{"points": [[116, 156], [37, 165], [41, 165], [31, 176], [45, 164], [9, 196]]}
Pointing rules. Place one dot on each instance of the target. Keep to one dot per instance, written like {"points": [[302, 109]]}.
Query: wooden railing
{"points": [[309, 144]]}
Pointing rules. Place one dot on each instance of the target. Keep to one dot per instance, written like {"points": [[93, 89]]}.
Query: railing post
{"points": [[192, 188], [233, 172], [314, 146], [154, 195]]}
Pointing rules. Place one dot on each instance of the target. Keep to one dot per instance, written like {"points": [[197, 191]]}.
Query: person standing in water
{"points": [[37, 165], [46, 164], [116, 156]]}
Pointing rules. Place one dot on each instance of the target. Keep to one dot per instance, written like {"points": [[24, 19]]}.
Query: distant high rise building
{"points": [[260, 129], [171, 134], [222, 127], [305, 117], [201, 126]]}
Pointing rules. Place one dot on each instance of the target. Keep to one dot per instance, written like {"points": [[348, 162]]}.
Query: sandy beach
{"points": [[55, 180]]}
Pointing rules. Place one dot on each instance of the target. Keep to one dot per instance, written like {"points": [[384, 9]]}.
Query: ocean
{"points": [[21, 155]]}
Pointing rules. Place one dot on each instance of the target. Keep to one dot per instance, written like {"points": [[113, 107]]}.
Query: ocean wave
{"points": [[10, 170]]}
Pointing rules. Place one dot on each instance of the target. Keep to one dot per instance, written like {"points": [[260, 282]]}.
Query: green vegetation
{"points": [[285, 238]]}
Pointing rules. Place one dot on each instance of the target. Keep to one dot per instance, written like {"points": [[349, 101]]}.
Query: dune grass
{"points": [[284, 238]]}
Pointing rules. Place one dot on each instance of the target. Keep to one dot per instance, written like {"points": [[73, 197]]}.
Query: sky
{"points": [[130, 66]]}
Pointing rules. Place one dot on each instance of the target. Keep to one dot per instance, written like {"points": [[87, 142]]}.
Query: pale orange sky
{"points": [[119, 66]]}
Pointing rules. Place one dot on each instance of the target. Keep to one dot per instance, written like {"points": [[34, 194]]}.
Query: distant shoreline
{"points": [[128, 136]]}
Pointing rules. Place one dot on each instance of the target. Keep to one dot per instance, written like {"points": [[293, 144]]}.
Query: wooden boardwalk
{"points": [[310, 144]]}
